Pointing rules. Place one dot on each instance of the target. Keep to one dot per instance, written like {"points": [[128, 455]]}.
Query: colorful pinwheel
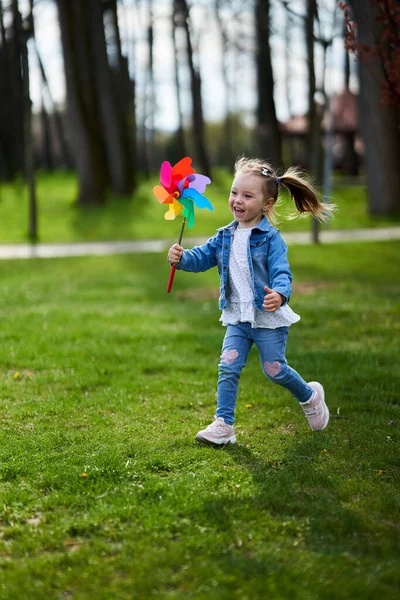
{"points": [[181, 188]]}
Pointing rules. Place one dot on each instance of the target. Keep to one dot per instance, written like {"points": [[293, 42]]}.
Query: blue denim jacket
{"points": [[267, 256]]}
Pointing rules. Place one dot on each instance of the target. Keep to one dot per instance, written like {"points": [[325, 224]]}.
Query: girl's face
{"points": [[247, 201]]}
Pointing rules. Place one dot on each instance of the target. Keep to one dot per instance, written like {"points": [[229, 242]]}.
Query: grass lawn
{"points": [[105, 381], [142, 217]]}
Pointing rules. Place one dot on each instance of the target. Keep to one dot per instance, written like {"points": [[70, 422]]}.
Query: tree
{"points": [[179, 141], [11, 91], [103, 157], [226, 151], [27, 120], [82, 105], [183, 20], [268, 134], [45, 117], [373, 27], [380, 54]]}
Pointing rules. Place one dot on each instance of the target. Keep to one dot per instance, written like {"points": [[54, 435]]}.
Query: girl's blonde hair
{"points": [[301, 190]]}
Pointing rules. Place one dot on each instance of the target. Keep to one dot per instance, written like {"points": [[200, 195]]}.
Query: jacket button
{"points": [[226, 246], [224, 268]]}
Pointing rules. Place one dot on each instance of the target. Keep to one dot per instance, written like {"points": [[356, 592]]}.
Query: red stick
{"points": [[173, 268], [171, 278]]}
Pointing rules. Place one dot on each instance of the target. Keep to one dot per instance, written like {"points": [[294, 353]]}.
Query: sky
{"points": [[133, 20]]}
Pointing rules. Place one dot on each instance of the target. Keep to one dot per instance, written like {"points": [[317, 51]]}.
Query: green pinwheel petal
{"points": [[188, 210]]}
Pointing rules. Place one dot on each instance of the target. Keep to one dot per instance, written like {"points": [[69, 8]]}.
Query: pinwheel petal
{"points": [[182, 169], [178, 207], [166, 175], [188, 210], [162, 195], [175, 209], [199, 182], [170, 214], [189, 214], [194, 181], [183, 183], [199, 200]]}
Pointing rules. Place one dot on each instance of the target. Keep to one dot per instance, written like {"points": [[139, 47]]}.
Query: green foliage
{"points": [[105, 381], [142, 217]]}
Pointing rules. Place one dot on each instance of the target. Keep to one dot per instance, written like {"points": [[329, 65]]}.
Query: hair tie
{"points": [[266, 172], [278, 180]]}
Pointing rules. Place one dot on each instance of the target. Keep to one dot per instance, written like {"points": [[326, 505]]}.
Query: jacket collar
{"points": [[263, 225]]}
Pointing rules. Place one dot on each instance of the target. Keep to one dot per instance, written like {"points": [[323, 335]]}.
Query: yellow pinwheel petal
{"points": [[178, 208], [175, 209], [170, 215]]}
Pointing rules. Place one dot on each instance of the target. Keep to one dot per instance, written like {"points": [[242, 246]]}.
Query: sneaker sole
{"points": [[321, 391], [218, 444]]}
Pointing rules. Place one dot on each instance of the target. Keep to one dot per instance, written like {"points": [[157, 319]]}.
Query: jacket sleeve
{"points": [[280, 276], [199, 258]]}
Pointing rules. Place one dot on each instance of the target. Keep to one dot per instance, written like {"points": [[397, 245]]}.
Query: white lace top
{"points": [[240, 308]]}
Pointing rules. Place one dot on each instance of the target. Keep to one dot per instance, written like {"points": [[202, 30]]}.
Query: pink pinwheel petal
{"points": [[166, 175]]}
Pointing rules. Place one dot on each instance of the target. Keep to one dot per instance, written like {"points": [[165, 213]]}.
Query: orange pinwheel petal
{"points": [[162, 195]]}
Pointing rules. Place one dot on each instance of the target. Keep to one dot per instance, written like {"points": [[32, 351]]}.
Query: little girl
{"points": [[255, 288]]}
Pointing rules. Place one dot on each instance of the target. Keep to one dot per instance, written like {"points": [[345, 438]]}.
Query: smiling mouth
{"points": [[237, 210]]}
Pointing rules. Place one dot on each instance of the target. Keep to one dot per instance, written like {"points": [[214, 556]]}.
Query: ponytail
{"points": [[304, 194], [300, 188]]}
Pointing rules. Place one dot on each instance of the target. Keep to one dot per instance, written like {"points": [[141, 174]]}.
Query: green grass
{"points": [[105, 381], [142, 217]]}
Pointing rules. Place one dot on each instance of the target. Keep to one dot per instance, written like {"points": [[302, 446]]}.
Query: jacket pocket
{"points": [[259, 248]]}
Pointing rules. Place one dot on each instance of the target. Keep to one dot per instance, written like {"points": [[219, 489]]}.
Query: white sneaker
{"points": [[315, 409], [218, 433]]}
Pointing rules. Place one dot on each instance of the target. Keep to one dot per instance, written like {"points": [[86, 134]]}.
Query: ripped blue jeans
{"points": [[271, 346]]}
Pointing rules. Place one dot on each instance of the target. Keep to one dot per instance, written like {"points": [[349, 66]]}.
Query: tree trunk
{"points": [[268, 134], [351, 161], [150, 128], [11, 89], [2, 29], [195, 84], [126, 93], [180, 133], [290, 143], [59, 125], [47, 154], [226, 152], [83, 113], [27, 121], [119, 163], [380, 124], [315, 150]]}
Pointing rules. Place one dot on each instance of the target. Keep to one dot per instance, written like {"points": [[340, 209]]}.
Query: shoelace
{"points": [[311, 411], [215, 425]]}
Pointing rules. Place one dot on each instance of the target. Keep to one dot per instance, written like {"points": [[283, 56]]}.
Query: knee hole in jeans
{"points": [[272, 369], [228, 356]]}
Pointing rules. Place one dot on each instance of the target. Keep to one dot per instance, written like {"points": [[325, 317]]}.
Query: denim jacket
{"points": [[267, 257]]}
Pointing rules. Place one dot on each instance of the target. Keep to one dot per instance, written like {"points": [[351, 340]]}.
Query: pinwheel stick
{"points": [[173, 268]]}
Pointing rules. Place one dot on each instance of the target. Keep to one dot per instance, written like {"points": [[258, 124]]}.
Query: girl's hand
{"points": [[175, 254], [272, 300]]}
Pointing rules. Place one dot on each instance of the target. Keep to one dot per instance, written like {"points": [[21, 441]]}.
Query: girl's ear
{"points": [[268, 204]]}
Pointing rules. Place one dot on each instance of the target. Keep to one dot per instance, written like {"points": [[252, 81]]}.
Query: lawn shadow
{"points": [[298, 506]]}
